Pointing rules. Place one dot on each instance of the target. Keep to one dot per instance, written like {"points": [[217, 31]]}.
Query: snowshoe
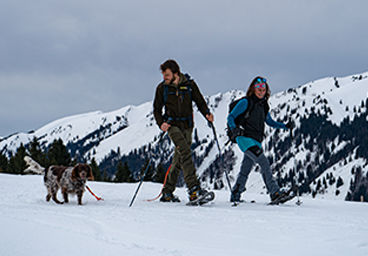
{"points": [[198, 196], [237, 201], [169, 197], [203, 199], [281, 197], [236, 194]]}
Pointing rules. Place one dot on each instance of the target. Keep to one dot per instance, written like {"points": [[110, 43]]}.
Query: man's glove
{"points": [[235, 133], [289, 125]]}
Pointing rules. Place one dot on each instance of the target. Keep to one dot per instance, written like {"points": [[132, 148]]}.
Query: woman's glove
{"points": [[235, 133], [289, 125]]}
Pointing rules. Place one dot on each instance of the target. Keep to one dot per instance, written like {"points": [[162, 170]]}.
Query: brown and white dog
{"points": [[71, 180]]}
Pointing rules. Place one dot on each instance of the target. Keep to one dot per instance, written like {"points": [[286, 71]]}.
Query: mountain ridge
{"points": [[131, 131]]}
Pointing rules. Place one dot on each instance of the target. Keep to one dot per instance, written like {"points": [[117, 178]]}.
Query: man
{"points": [[176, 93]]}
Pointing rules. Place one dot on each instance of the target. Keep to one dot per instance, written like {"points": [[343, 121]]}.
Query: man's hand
{"points": [[209, 117], [165, 126]]}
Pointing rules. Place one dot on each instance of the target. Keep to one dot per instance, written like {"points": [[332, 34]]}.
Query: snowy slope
{"points": [[339, 94], [337, 98], [133, 126], [96, 134], [31, 226], [131, 119]]}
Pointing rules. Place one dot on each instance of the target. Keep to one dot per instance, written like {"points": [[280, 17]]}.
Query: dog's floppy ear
{"points": [[89, 174], [75, 172]]}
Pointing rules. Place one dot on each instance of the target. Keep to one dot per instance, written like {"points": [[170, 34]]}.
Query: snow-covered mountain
{"points": [[328, 151]]}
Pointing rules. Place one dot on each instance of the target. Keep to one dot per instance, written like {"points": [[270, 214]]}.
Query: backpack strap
{"points": [[246, 113], [249, 108], [189, 87], [166, 93], [166, 89]]}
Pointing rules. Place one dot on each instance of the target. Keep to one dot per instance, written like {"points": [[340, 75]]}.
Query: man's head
{"points": [[170, 71]]}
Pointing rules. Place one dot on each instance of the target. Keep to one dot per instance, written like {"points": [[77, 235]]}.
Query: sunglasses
{"points": [[260, 85], [261, 80]]}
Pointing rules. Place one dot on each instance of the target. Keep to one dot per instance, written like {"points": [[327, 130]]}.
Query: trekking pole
{"points": [[210, 124], [149, 164], [297, 176]]}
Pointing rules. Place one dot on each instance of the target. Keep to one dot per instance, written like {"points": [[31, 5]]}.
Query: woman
{"points": [[249, 134]]}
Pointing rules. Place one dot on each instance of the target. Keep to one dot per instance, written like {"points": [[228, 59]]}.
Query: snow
{"points": [[32, 226], [140, 129], [349, 93]]}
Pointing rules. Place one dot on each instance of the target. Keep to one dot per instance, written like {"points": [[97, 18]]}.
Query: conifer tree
{"points": [[10, 168], [150, 171], [127, 174], [340, 182], [19, 156], [95, 170], [36, 152], [106, 177], [160, 174], [324, 183], [16, 163], [123, 173], [119, 172], [3, 163], [58, 154], [318, 187]]}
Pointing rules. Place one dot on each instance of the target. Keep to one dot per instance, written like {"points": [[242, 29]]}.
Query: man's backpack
{"points": [[189, 87], [244, 115], [189, 91]]}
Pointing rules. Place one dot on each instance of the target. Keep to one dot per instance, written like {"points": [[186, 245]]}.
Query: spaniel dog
{"points": [[71, 180]]}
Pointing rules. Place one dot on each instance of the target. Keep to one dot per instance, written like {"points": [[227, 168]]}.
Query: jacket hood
{"points": [[182, 80]]}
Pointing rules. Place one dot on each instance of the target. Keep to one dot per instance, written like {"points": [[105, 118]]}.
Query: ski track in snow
{"points": [[32, 226]]}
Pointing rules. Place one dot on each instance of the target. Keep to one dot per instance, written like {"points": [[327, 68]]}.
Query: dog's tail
{"points": [[33, 166]]}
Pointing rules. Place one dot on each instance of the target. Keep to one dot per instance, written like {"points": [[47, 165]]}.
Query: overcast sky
{"points": [[61, 58]]}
